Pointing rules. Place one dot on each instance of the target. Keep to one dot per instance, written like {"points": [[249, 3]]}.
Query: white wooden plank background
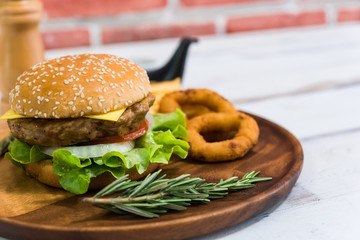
{"points": [[308, 81]]}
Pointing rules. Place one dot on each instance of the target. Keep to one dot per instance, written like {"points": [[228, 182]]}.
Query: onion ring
{"points": [[195, 102], [245, 134]]}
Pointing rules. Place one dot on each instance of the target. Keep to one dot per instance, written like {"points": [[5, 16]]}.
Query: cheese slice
{"points": [[110, 116], [11, 114]]}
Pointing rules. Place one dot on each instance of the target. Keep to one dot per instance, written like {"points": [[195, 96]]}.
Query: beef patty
{"points": [[71, 131]]}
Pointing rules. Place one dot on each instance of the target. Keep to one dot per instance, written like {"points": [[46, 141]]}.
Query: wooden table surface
{"points": [[308, 81]]}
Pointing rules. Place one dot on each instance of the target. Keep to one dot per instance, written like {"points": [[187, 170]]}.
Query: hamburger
{"points": [[81, 121]]}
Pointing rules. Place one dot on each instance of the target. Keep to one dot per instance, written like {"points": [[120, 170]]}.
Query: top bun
{"points": [[79, 85]]}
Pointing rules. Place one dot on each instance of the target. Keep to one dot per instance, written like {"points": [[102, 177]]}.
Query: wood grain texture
{"points": [[278, 154]]}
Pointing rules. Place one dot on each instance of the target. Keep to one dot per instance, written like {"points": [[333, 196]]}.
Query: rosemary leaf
{"points": [[154, 188], [173, 206], [109, 188], [136, 211], [146, 182]]}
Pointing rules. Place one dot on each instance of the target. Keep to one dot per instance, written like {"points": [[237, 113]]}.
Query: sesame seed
{"points": [[100, 104], [57, 103], [71, 103]]}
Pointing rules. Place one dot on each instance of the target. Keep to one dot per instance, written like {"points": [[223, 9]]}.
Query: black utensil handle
{"points": [[175, 66]]}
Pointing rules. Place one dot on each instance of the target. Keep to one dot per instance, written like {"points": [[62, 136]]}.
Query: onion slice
{"points": [[91, 151], [150, 119]]}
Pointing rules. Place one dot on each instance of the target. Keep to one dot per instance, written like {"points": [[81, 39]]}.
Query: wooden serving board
{"points": [[30, 210]]}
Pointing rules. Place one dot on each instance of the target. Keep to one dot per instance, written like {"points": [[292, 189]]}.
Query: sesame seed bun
{"points": [[79, 85]]}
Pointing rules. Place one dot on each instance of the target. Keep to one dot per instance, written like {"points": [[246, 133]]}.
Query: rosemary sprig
{"points": [[152, 196]]}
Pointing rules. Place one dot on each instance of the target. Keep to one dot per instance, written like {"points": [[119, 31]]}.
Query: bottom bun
{"points": [[43, 172]]}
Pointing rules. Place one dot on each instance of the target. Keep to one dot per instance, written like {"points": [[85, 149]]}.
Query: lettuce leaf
{"points": [[23, 153], [156, 146]]}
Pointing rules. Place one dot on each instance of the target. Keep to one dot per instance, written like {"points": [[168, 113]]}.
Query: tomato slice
{"points": [[127, 137]]}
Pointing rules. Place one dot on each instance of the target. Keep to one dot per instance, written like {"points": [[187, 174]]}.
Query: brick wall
{"points": [[72, 23]]}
